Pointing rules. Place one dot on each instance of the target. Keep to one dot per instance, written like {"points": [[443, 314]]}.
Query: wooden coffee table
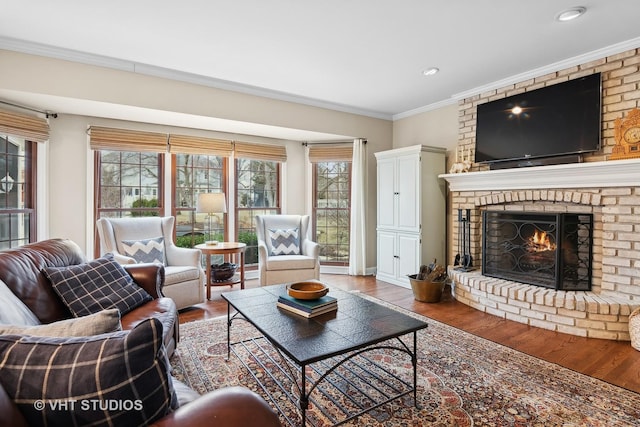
{"points": [[227, 249], [323, 344]]}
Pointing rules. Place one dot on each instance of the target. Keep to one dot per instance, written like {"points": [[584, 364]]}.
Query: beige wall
{"points": [[437, 128], [69, 170]]}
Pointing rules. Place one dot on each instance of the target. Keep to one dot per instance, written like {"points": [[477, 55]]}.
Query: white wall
{"points": [[69, 173]]}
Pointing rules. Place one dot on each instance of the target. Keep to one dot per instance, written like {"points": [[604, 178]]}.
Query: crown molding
{"points": [[552, 68], [48, 51]]}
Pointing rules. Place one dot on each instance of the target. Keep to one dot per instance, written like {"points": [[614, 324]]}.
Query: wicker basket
{"points": [[634, 328]]}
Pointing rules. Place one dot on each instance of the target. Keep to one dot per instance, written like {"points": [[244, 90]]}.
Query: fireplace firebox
{"points": [[552, 250]]}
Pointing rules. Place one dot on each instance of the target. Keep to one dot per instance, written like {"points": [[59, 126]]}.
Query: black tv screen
{"points": [[554, 120]]}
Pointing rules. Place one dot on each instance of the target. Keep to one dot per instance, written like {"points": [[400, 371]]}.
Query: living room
{"points": [[86, 94]]}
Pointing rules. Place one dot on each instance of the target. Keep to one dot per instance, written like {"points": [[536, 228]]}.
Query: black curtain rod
{"points": [[46, 113], [306, 144]]}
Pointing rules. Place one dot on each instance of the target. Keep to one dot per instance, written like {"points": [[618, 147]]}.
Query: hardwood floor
{"points": [[613, 361]]}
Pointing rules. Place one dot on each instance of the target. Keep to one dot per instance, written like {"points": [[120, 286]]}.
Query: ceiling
{"points": [[360, 56]]}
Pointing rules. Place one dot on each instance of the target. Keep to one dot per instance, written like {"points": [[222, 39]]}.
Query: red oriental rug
{"points": [[463, 380]]}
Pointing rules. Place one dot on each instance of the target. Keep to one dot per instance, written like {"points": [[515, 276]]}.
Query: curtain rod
{"points": [[306, 144], [46, 113]]}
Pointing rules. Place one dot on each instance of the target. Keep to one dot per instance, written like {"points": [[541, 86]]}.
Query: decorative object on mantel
{"points": [[627, 135], [464, 260], [464, 165]]}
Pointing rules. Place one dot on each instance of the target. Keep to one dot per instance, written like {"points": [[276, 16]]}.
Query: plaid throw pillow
{"points": [[97, 285], [145, 251], [99, 323], [114, 379], [284, 242]]}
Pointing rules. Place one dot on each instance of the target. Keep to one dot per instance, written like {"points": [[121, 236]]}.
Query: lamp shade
{"points": [[211, 203]]}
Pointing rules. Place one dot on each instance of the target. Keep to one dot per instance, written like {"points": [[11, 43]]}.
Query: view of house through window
{"points": [[257, 193], [332, 201], [17, 216], [195, 174], [129, 184]]}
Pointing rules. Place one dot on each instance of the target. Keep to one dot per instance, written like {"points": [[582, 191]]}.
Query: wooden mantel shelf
{"points": [[615, 173]]}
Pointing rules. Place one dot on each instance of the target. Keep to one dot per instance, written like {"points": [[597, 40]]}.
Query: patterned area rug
{"points": [[463, 380]]}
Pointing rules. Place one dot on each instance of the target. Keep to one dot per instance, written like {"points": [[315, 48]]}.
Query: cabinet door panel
{"points": [[386, 253], [408, 254], [408, 187], [386, 202]]}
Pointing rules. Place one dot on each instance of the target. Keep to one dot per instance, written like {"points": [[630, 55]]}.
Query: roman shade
{"points": [[249, 150], [185, 144], [28, 127], [330, 153], [103, 138]]}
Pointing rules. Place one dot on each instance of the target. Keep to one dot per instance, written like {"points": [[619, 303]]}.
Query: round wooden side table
{"points": [[227, 249]]}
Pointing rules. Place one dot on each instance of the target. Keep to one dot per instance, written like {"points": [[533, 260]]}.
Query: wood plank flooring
{"points": [[613, 361]]}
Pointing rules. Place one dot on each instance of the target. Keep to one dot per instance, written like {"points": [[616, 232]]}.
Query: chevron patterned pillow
{"points": [[285, 242], [144, 251]]}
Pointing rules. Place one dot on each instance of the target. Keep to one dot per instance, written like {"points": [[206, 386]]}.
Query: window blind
{"points": [[319, 153], [249, 150], [198, 145], [28, 127], [102, 138]]}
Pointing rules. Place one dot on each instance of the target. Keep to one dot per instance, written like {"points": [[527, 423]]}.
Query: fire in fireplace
{"points": [[552, 250]]}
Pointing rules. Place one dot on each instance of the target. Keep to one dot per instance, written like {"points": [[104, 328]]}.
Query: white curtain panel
{"points": [[357, 236]]}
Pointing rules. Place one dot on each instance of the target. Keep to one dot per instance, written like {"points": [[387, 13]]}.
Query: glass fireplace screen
{"points": [[552, 250]]}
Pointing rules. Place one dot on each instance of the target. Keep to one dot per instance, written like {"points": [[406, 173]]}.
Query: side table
{"points": [[224, 248]]}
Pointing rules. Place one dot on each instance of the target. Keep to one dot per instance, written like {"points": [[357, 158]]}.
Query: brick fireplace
{"points": [[609, 191]]}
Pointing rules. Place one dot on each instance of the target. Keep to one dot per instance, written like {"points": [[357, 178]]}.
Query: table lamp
{"points": [[211, 204]]}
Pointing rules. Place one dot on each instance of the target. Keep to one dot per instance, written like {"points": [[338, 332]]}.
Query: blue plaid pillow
{"points": [[285, 242], [95, 286]]}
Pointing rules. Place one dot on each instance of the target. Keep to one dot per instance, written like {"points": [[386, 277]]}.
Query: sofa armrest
{"points": [[226, 407], [149, 277]]}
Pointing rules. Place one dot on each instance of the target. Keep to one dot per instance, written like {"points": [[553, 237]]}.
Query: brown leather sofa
{"points": [[20, 269]]}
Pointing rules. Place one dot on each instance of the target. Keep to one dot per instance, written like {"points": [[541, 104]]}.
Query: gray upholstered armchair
{"points": [[150, 239], [286, 252]]}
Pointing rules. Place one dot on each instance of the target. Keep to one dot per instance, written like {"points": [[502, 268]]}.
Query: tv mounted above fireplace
{"points": [[553, 124]]}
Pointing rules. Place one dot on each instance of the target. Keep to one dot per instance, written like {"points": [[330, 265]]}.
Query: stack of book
{"points": [[308, 308]]}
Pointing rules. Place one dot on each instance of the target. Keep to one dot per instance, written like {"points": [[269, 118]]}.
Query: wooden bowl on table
{"points": [[307, 290]]}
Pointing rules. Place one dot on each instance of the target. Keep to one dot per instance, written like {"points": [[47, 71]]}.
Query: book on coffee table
{"points": [[309, 306], [308, 314]]}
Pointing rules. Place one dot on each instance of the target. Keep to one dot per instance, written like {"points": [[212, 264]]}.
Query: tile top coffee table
{"points": [[358, 326]]}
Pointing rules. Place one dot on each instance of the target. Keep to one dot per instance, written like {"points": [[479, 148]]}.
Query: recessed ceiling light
{"points": [[570, 14], [430, 71]]}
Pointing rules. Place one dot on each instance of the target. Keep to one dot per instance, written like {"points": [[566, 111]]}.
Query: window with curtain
{"points": [[331, 202], [19, 135], [257, 190]]}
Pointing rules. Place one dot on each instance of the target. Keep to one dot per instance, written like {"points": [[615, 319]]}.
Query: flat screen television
{"points": [[557, 120]]}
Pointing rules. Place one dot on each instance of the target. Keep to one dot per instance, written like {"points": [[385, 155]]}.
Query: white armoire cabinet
{"points": [[411, 211]]}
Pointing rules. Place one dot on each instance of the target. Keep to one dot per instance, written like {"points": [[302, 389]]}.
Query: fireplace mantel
{"points": [[616, 173]]}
